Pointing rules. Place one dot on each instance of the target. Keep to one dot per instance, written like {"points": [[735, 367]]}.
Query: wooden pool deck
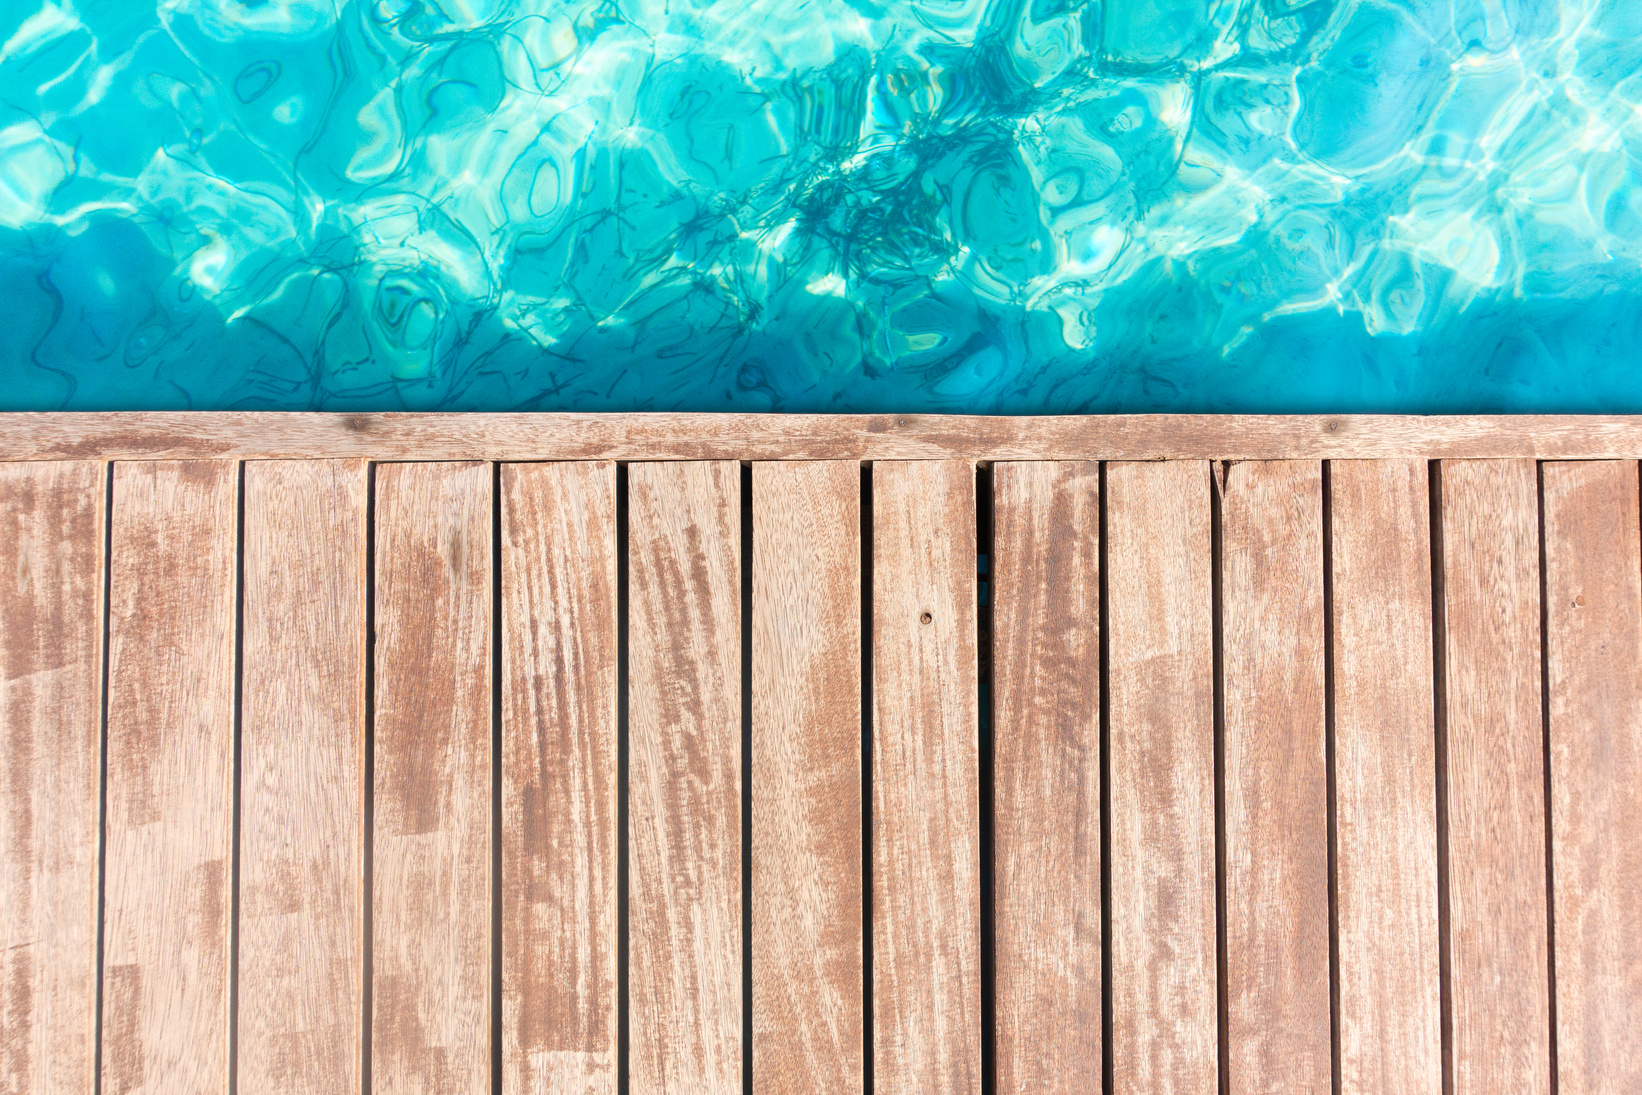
{"points": [[668, 753]]}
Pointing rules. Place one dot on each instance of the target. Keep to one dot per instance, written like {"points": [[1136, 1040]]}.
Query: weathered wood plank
{"points": [[1161, 752], [666, 436], [1276, 779], [1385, 779], [1593, 596], [302, 770], [167, 900], [559, 773], [925, 780], [684, 778], [430, 1030], [806, 779], [1046, 777], [51, 628], [1495, 772]]}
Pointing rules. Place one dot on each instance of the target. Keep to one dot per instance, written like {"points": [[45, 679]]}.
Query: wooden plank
{"points": [[1046, 777], [806, 779], [430, 1029], [667, 436], [1495, 778], [1275, 789], [51, 628], [1385, 779], [167, 900], [1593, 597], [1161, 752], [1276, 779], [684, 778], [559, 771], [302, 771], [926, 883]]}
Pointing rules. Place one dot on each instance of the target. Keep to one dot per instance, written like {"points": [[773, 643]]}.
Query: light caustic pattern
{"points": [[981, 205]]}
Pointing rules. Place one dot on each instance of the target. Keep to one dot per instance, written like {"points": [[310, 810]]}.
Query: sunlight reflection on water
{"points": [[978, 205]]}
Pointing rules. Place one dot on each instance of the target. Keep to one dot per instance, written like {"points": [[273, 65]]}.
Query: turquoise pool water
{"points": [[969, 205]]}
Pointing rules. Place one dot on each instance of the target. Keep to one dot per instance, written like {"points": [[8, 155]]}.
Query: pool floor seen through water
{"points": [[1001, 206]]}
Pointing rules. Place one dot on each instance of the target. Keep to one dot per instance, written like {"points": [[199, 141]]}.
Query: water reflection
{"points": [[983, 205]]}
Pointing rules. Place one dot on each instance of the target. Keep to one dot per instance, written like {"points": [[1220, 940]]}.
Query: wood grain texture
{"points": [[167, 900], [302, 772], [1046, 777], [806, 779], [1495, 770], [559, 772], [926, 884], [667, 436], [1593, 597], [1385, 779], [430, 1031], [1161, 752], [51, 638], [684, 778], [1276, 779]]}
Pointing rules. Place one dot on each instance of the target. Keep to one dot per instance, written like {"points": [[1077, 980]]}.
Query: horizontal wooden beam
{"points": [[180, 435]]}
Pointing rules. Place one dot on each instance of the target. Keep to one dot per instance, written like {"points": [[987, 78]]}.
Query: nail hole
{"points": [[926, 618]]}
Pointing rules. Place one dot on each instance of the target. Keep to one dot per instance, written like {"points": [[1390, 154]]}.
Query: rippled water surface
{"points": [[982, 205]]}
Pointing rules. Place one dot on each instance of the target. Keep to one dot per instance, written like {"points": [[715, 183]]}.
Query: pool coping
{"points": [[535, 436]]}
